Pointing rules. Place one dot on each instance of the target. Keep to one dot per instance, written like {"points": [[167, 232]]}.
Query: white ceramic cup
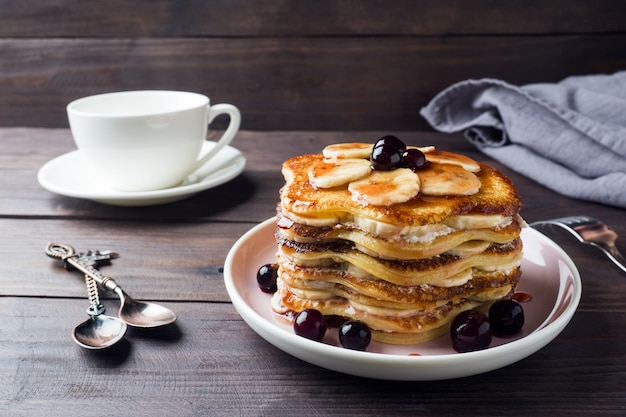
{"points": [[147, 140]]}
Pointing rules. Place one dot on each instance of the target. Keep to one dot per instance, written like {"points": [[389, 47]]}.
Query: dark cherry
{"points": [[413, 159], [507, 317], [266, 278], [386, 157], [387, 153], [470, 331], [355, 335], [310, 323], [392, 141]]}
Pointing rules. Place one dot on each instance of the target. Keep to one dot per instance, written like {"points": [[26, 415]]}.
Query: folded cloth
{"points": [[569, 136]]}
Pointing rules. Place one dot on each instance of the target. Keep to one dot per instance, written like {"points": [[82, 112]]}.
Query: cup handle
{"points": [[229, 134]]}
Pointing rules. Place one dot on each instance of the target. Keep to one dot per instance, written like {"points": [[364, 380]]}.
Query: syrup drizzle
{"points": [[522, 297]]}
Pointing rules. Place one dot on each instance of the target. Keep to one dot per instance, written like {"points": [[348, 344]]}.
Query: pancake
{"points": [[406, 272], [402, 249], [305, 204], [330, 282]]}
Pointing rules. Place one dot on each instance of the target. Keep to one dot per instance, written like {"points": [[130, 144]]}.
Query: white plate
{"points": [[548, 275], [71, 176]]}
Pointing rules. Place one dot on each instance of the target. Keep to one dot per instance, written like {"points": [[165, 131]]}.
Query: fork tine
{"points": [[565, 223], [578, 220], [570, 221], [592, 232]]}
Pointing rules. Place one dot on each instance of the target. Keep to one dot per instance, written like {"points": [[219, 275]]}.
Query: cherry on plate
{"points": [[310, 323], [470, 331], [355, 335], [266, 277], [507, 317]]}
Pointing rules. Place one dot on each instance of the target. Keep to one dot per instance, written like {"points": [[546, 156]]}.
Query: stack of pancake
{"points": [[403, 251]]}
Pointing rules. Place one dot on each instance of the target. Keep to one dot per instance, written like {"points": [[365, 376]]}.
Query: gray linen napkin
{"points": [[569, 136]]}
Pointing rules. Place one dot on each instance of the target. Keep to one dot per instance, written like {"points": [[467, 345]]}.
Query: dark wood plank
{"points": [[199, 231], [159, 260], [251, 197], [166, 18], [314, 83], [183, 261], [211, 363]]}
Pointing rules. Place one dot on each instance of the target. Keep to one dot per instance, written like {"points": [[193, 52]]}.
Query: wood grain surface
{"points": [[304, 74], [344, 65], [297, 18], [211, 362]]}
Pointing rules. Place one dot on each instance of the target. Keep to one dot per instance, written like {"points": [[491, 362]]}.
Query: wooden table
{"points": [[211, 362]]}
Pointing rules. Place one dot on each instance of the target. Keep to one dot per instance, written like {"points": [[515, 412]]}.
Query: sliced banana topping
{"points": [[443, 157], [382, 188], [348, 150], [447, 179], [349, 163], [423, 149], [329, 174]]}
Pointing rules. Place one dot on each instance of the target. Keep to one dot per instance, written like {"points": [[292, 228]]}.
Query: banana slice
{"points": [[423, 149], [333, 173], [447, 179], [443, 157], [467, 249], [348, 150], [383, 188]]}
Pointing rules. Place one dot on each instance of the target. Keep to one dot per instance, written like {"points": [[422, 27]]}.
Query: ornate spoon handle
{"points": [[95, 307], [68, 255]]}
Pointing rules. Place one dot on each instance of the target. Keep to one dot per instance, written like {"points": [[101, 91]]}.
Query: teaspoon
{"points": [[99, 331], [134, 312], [142, 313]]}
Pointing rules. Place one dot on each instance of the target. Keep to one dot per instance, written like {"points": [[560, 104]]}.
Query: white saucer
{"points": [[71, 176]]}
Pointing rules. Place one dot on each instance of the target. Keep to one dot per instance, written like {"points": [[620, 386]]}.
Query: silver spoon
{"points": [[141, 313], [99, 331], [134, 312]]}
